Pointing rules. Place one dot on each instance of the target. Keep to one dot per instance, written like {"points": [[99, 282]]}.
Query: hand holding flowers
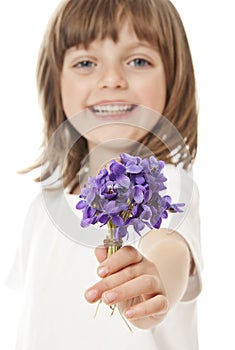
{"points": [[128, 194], [133, 283]]}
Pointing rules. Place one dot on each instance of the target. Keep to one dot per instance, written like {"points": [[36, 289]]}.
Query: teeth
{"points": [[112, 109]]}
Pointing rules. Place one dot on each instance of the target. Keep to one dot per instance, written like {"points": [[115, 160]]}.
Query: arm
{"points": [[145, 283], [170, 253]]}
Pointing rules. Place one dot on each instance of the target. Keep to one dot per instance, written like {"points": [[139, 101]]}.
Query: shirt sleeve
{"points": [[18, 270], [182, 188], [14, 278]]}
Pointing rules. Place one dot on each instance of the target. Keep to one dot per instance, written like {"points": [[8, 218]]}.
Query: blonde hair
{"points": [[82, 21]]}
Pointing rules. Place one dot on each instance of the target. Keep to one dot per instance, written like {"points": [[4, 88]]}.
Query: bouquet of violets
{"points": [[126, 194]]}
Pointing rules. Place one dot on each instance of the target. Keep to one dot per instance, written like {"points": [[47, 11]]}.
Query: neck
{"points": [[101, 155]]}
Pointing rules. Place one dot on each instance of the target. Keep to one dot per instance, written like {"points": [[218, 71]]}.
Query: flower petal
{"points": [[133, 168], [117, 168], [139, 226], [124, 181], [117, 220], [138, 195], [120, 232], [81, 204], [103, 218]]}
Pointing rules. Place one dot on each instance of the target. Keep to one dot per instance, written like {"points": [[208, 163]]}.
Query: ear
{"points": [[101, 253]]}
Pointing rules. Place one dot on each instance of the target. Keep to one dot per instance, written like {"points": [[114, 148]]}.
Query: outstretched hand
{"points": [[133, 282]]}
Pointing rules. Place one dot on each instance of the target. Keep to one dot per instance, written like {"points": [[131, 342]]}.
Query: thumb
{"points": [[101, 253]]}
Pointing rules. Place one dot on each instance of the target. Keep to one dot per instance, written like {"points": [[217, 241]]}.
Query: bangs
{"points": [[84, 21]]}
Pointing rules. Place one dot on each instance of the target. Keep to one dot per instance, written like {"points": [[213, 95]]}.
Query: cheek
{"points": [[72, 97], [157, 99], [154, 93], [66, 97]]}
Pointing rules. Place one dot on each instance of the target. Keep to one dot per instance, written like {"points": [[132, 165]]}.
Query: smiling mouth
{"points": [[106, 110]]}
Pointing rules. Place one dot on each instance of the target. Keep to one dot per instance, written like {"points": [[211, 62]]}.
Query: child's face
{"points": [[109, 79]]}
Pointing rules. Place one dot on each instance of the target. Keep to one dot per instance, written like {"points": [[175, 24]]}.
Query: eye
{"points": [[84, 64], [140, 62]]}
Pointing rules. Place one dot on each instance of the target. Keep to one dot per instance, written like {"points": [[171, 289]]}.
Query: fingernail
{"points": [[102, 271], [91, 295], [130, 313], [109, 297]]}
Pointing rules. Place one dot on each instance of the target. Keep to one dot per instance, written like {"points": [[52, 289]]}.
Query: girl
{"points": [[99, 62]]}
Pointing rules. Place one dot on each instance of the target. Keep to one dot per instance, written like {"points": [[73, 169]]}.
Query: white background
{"points": [[210, 29]]}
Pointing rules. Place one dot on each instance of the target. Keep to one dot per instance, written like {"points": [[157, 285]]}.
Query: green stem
{"points": [[97, 308], [111, 228], [112, 248]]}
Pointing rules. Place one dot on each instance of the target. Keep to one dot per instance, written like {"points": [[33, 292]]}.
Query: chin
{"points": [[116, 137]]}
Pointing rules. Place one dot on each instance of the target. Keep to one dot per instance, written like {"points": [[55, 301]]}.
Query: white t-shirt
{"points": [[55, 264]]}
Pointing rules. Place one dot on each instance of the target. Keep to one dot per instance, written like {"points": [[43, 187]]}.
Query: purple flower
{"points": [[118, 174], [176, 208], [127, 194]]}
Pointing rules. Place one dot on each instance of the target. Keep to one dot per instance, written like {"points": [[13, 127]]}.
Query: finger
{"points": [[129, 273], [142, 285], [95, 292], [123, 257], [156, 307], [101, 253]]}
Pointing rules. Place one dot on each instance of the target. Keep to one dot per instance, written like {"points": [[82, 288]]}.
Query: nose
{"points": [[112, 78]]}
